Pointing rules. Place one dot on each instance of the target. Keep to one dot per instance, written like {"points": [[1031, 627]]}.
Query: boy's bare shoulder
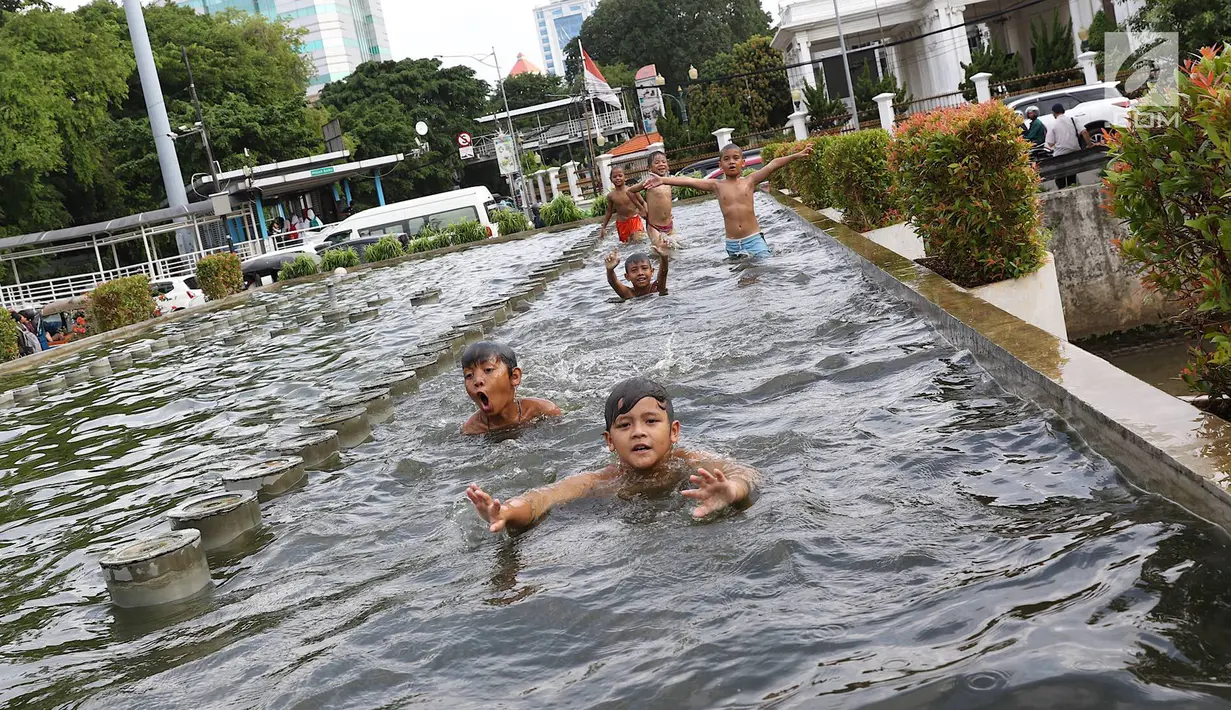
{"points": [[474, 425], [535, 407]]}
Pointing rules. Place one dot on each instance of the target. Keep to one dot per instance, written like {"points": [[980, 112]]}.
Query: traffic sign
{"points": [[465, 146]]}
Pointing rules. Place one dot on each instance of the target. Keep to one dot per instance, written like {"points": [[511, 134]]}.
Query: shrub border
{"points": [[1161, 444]]}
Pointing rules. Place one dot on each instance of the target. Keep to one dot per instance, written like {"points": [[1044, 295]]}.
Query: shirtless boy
{"points": [[642, 432], [492, 376], [658, 200], [640, 273], [744, 235], [627, 207]]}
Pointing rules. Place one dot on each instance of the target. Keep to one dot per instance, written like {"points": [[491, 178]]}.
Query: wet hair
{"points": [[617, 167], [637, 259], [485, 350], [655, 154], [628, 393], [730, 147]]}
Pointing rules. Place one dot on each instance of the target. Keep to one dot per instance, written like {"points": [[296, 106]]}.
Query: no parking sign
{"points": [[465, 146]]}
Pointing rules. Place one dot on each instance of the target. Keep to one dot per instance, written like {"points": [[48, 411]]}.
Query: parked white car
{"points": [[173, 294], [1093, 107]]}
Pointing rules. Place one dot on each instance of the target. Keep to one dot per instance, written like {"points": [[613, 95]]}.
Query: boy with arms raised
{"points": [[744, 236], [492, 376], [642, 431], [627, 207], [658, 201], [640, 272]]}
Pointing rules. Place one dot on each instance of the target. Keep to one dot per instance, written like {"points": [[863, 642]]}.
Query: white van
{"points": [[439, 211]]}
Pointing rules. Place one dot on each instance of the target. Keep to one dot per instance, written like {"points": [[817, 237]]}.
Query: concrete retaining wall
{"points": [[1101, 294], [1161, 444]]}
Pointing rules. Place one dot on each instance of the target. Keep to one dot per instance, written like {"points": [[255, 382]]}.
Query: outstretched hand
{"points": [[652, 182], [713, 492], [612, 259], [661, 248], [806, 151], [491, 509]]}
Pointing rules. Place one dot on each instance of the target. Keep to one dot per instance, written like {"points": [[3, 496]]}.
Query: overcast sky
{"points": [[424, 28]]}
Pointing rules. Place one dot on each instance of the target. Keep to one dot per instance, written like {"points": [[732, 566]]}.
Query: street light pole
{"points": [[209, 152], [521, 170], [846, 65]]}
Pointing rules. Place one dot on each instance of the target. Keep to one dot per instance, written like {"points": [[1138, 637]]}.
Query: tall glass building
{"points": [[342, 34], [557, 24]]}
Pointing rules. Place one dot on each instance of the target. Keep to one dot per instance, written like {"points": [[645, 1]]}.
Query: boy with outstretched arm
{"points": [[627, 207], [491, 377], [642, 431], [658, 201], [640, 272], [744, 236]]}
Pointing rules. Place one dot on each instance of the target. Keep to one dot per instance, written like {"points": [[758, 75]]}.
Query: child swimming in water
{"points": [[640, 272], [627, 207], [492, 376], [642, 431], [658, 201], [744, 236]]}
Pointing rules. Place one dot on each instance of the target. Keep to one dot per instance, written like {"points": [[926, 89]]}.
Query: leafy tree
{"points": [[994, 60], [379, 105], [868, 87], [823, 112], [1053, 49], [53, 112], [528, 89], [762, 100], [1201, 23], [1097, 33], [672, 34]]}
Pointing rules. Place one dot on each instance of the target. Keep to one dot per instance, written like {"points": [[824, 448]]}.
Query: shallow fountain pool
{"points": [[923, 540]]}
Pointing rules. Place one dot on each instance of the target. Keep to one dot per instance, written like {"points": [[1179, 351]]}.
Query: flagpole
{"points": [[595, 178]]}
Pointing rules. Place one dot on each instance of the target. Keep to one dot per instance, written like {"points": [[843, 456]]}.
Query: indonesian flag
{"points": [[596, 86]]}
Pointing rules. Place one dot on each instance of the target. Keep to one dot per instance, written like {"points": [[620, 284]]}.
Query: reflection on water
{"points": [[923, 540]]}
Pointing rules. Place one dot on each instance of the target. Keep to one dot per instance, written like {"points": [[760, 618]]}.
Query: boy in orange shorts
{"points": [[628, 208]]}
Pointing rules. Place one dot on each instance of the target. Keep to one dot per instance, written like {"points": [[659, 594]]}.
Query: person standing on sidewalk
{"points": [[1065, 137]]}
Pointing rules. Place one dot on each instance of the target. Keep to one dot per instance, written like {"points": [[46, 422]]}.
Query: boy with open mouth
{"points": [[492, 376], [642, 432]]}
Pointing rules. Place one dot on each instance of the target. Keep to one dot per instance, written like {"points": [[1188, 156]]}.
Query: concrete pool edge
{"points": [[1162, 445], [50, 356]]}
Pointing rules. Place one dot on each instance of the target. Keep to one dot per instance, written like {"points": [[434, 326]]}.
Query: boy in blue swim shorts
{"points": [[744, 236]]}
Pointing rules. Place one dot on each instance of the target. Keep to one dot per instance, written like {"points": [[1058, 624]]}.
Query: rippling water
{"points": [[924, 539]]}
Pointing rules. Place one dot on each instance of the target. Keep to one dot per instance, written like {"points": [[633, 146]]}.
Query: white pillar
{"points": [[884, 102], [983, 93], [553, 176], [805, 55], [531, 197], [1086, 61], [604, 169], [542, 188], [944, 53], [724, 137], [799, 122], [570, 169], [653, 148]]}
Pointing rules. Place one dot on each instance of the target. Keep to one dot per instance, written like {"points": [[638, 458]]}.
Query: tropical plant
{"points": [[385, 248], [301, 266], [120, 303], [825, 113], [420, 245], [686, 193], [346, 258], [868, 87], [220, 275], [8, 338], [965, 177], [466, 232], [1053, 51], [561, 210], [1170, 183], [860, 182], [993, 60], [1200, 23], [511, 221], [598, 208]]}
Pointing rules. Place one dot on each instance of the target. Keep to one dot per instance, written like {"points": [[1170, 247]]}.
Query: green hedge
{"points": [[510, 221], [561, 210], [346, 258], [8, 337], [303, 265], [119, 303], [219, 276], [1170, 182], [805, 177], [684, 193], [965, 178], [858, 181], [387, 247], [598, 208]]}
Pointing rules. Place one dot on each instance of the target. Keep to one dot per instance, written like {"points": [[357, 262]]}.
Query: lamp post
{"points": [[660, 82], [525, 207]]}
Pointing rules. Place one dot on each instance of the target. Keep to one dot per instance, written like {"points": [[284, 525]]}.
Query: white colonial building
{"points": [[922, 42]]}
